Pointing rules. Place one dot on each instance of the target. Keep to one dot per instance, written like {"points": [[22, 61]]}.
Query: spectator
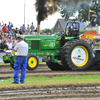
{"points": [[33, 32], [6, 35], [17, 34], [9, 44], [2, 33], [28, 26], [24, 28], [41, 33], [27, 33], [36, 30], [13, 43], [16, 29], [2, 45], [49, 33], [0, 27], [20, 30], [32, 27], [10, 25], [45, 33], [0, 37], [5, 28], [3, 37], [5, 45], [11, 33], [13, 37]]}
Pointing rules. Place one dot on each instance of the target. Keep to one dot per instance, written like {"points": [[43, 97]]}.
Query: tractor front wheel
{"points": [[32, 62]]}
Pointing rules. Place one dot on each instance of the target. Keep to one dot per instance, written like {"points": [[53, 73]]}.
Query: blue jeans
{"points": [[20, 63]]}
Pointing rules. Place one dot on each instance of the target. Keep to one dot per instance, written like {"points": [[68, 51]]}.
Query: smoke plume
{"points": [[48, 7]]}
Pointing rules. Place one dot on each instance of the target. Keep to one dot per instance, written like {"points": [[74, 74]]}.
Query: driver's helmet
{"points": [[69, 27]]}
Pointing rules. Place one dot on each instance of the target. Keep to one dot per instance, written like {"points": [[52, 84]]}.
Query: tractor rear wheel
{"points": [[32, 62], [54, 66], [76, 54]]}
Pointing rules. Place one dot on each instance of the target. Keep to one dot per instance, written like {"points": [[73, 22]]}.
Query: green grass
{"points": [[63, 80], [4, 63]]}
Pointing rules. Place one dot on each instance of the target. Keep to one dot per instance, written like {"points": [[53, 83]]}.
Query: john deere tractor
{"points": [[60, 52]]}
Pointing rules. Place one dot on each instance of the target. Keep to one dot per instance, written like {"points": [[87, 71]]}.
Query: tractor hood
{"points": [[42, 37]]}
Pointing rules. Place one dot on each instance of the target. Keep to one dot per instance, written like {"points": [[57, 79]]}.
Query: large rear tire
{"points": [[32, 62], [76, 54]]}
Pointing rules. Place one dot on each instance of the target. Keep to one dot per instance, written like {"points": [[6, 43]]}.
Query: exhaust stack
{"points": [[38, 28]]}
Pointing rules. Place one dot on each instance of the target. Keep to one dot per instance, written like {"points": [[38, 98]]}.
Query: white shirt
{"points": [[21, 48], [9, 45]]}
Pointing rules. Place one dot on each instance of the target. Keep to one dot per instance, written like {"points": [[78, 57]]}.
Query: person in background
{"points": [[10, 25], [24, 28], [45, 33], [5, 46], [20, 30], [13, 43], [28, 27], [0, 27], [36, 30], [17, 34], [11, 33], [13, 37], [9, 44], [27, 33], [0, 36], [49, 34], [5, 28], [21, 61], [2, 45], [32, 27], [41, 33], [33, 32], [6, 35]]}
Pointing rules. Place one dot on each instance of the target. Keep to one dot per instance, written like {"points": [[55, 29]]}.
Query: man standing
{"points": [[10, 25], [32, 27], [21, 61]]}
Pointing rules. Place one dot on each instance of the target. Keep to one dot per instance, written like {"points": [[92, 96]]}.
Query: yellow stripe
{"points": [[32, 39], [92, 11]]}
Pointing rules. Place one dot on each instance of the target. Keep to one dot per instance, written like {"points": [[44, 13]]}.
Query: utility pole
{"points": [[24, 11]]}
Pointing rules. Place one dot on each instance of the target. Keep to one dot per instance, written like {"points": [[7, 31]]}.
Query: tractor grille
{"points": [[35, 45]]}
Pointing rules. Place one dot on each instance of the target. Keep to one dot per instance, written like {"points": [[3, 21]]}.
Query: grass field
{"points": [[63, 80]]}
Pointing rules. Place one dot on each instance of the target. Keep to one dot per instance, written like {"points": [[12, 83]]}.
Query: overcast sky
{"points": [[13, 11]]}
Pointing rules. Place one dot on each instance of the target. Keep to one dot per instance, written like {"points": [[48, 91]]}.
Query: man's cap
{"points": [[20, 37]]}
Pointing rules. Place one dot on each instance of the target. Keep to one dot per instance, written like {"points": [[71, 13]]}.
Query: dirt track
{"points": [[66, 92]]}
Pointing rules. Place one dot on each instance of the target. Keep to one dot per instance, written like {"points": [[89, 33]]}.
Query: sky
{"points": [[13, 11]]}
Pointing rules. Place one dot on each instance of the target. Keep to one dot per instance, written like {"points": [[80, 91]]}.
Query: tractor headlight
{"points": [[9, 52], [12, 53]]}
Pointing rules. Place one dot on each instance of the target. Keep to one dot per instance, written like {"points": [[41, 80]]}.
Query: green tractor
{"points": [[60, 52]]}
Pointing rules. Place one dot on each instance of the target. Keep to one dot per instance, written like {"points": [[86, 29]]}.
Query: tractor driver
{"points": [[69, 31]]}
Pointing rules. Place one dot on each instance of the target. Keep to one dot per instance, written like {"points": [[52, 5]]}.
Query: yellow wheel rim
{"points": [[79, 56], [32, 62]]}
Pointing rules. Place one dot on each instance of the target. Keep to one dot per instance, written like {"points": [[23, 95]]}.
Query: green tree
{"points": [[47, 30], [83, 11]]}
